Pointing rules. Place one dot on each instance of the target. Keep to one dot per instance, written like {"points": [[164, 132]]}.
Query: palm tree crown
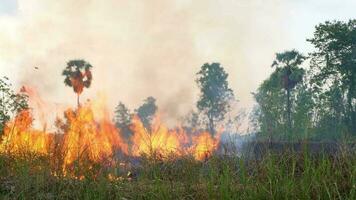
{"points": [[77, 75]]}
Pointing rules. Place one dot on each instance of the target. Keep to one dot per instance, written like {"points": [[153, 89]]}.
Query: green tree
{"points": [[192, 121], [123, 118], [77, 75], [303, 115], [147, 111], [277, 108], [288, 62], [269, 115], [329, 111], [215, 94], [10, 102], [334, 64]]}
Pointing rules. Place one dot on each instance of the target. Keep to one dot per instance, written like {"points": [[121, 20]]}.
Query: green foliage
{"points": [[288, 62], [147, 111], [290, 74], [277, 109], [334, 65], [330, 109], [303, 113], [215, 94], [192, 121], [123, 118], [321, 104], [10, 102], [270, 113]]}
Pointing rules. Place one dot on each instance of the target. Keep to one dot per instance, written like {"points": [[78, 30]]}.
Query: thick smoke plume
{"points": [[140, 48]]}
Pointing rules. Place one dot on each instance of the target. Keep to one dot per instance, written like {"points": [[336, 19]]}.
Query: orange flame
{"points": [[84, 135], [87, 133], [162, 142], [96, 140], [159, 141], [205, 145], [19, 137]]}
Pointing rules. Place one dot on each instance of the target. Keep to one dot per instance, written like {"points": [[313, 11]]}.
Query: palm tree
{"points": [[77, 75], [291, 74]]}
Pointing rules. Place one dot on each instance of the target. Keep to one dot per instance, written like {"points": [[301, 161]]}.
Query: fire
{"points": [[162, 142], [44, 112], [86, 136], [19, 137], [79, 81], [205, 145], [87, 133], [158, 141], [82, 136]]}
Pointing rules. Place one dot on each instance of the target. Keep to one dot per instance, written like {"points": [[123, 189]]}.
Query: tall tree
{"points": [[123, 118], [147, 111], [10, 102], [330, 112], [303, 115], [270, 118], [292, 74], [215, 94], [77, 75], [334, 63], [192, 121], [269, 115]]}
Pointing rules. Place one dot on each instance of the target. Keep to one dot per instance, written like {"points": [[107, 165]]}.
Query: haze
{"points": [[154, 48]]}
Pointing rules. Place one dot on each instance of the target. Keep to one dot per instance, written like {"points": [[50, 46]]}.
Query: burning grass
{"points": [[87, 158], [86, 138]]}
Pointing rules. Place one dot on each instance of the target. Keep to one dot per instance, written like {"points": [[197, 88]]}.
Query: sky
{"points": [[154, 48]]}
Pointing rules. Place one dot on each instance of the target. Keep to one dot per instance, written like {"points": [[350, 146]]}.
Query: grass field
{"points": [[285, 175]]}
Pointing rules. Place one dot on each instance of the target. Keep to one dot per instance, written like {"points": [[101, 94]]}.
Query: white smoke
{"points": [[141, 48]]}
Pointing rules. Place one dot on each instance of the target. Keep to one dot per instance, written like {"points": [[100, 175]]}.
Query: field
{"points": [[177, 100], [276, 175]]}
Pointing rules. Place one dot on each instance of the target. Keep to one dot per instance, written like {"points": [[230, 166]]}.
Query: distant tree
{"points": [[269, 114], [288, 62], [321, 102], [147, 111], [123, 118], [330, 112], [334, 65], [10, 102], [270, 117], [303, 115], [192, 121], [215, 94], [77, 75]]}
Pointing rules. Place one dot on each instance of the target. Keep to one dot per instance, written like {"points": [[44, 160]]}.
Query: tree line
{"points": [[213, 104], [310, 96], [316, 101]]}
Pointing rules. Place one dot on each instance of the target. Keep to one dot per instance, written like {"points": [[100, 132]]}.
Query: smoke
{"points": [[141, 48]]}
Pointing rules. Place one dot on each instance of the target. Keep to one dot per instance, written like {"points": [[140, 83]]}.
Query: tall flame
{"points": [[85, 136], [204, 145], [87, 133], [19, 137], [159, 140], [162, 142]]}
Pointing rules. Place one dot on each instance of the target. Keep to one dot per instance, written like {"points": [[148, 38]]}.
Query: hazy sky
{"points": [[154, 47]]}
